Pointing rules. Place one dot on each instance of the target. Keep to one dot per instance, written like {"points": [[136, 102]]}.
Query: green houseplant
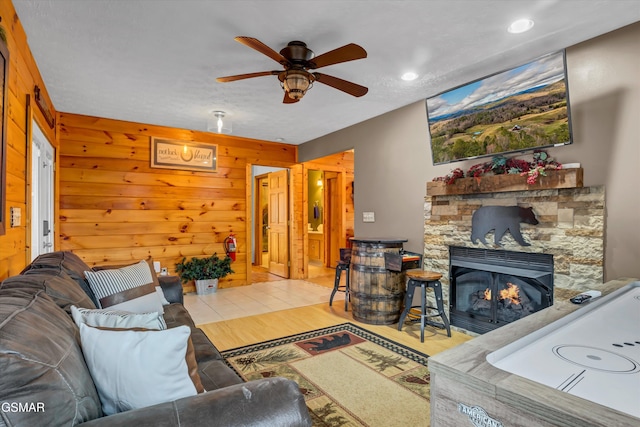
{"points": [[204, 271]]}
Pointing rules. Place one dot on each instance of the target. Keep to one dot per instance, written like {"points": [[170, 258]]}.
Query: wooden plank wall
{"points": [[22, 78], [115, 208]]}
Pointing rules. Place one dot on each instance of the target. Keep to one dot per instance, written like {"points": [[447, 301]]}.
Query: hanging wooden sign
{"points": [[184, 155]]}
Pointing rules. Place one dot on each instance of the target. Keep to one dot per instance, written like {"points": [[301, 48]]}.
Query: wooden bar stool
{"points": [[424, 280], [343, 265]]}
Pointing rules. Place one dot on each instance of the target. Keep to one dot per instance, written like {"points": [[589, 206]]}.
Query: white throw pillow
{"points": [[135, 369], [110, 318], [132, 285]]}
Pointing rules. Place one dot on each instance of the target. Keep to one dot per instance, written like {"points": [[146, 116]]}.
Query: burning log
{"points": [[479, 301], [510, 305]]}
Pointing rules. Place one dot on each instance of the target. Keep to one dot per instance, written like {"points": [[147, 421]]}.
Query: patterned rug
{"points": [[349, 376]]}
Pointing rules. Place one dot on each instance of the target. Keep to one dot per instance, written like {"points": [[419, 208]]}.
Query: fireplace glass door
{"points": [[485, 296]]}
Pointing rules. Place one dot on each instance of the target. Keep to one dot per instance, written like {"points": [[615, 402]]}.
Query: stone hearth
{"points": [[571, 229]]}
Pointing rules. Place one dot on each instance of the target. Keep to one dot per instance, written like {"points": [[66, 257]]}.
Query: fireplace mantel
{"points": [[561, 178]]}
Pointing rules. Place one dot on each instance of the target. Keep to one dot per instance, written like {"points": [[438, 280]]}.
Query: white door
{"points": [[42, 164]]}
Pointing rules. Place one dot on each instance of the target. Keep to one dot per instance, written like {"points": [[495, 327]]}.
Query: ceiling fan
{"points": [[297, 59]]}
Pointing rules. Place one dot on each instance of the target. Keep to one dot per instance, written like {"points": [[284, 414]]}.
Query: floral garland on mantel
{"points": [[500, 165]]}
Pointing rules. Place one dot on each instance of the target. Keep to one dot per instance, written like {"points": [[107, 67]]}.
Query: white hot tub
{"points": [[592, 353]]}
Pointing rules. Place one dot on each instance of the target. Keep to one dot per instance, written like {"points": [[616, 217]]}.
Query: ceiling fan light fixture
{"points": [[296, 83], [297, 60], [216, 124]]}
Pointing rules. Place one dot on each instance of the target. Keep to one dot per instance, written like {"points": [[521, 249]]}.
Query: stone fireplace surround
{"points": [[571, 228]]}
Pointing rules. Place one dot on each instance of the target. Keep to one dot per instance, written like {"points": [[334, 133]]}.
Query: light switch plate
{"points": [[368, 217], [16, 217]]}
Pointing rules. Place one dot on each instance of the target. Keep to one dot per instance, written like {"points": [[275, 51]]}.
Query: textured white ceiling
{"points": [[155, 61]]}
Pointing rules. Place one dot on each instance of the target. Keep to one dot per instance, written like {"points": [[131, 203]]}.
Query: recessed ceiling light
{"points": [[520, 26], [279, 139], [409, 76]]}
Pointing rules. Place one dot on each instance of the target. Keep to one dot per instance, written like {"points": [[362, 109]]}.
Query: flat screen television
{"points": [[520, 109]]}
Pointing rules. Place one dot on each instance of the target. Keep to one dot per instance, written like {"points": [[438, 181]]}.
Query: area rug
{"points": [[348, 375]]}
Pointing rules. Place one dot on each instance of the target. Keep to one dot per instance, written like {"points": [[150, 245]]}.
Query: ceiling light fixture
{"points": [[217, 124], [520, 26], [296, 83], [409, 76]]}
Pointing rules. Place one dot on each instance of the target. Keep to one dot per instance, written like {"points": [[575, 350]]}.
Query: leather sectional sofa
{"points": [[44, 379]]}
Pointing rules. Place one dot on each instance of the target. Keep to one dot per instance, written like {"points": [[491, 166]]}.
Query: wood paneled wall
{"points": [[22, 78], [115, 208]]}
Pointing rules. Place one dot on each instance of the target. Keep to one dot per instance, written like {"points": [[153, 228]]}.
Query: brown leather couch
{"points": [[44, 380]]}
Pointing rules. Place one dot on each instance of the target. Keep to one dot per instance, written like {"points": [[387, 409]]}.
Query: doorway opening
{"points": [[329, 213], [331, 219], [261, 210], [315, 212], [270, 234]]}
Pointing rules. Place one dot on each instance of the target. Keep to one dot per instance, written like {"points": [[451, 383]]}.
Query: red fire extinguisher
{"points": [[230, 246]]}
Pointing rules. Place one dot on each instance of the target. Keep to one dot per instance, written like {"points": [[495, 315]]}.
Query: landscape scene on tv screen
{"points": [[521, 109]]}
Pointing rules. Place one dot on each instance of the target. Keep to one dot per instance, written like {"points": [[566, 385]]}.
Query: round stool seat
{"points": [[423, 276]]}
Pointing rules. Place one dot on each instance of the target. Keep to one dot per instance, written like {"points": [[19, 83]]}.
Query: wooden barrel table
{"points": [[376, 293]]}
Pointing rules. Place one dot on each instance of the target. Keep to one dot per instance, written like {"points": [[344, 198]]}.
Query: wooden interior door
{"points": [[279, 223]]}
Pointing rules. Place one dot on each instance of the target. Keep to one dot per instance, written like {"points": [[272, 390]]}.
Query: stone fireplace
{"points": [[570, 231]]}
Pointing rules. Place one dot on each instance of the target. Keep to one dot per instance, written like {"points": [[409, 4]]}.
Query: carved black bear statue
{"points": [[500, 219]]}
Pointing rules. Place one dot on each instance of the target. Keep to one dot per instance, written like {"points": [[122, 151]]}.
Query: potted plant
{"points": [[204, 271]]}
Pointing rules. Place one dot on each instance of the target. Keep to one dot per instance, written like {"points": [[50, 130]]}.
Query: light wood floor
{"points": [[234, 333]]}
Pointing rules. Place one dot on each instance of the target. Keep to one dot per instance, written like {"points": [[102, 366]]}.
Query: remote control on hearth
{"points": [[585, 296]]}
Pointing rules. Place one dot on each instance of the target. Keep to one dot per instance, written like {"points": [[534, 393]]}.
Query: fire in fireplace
{"points": [[491, 288]]}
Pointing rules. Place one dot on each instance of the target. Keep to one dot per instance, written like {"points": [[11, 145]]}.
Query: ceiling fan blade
{"points": [[262, 48], [343, 85], [288, 100], [246, 76], [345, 53]]}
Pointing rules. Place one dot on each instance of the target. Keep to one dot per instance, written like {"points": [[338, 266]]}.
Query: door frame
{"points": [[334, 219], [257, 185], [31, 120]]}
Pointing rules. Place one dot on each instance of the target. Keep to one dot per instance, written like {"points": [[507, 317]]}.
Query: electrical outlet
{"points": [[16, 217], [368, 217]]}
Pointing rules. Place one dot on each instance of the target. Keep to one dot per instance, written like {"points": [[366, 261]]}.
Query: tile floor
{"points": [[258, 298]]}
